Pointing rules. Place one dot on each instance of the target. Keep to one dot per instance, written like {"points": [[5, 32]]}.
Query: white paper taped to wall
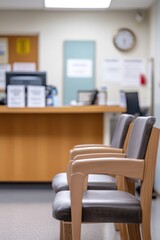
{"points": [[126, 72], [3, 69], [79, 68]]}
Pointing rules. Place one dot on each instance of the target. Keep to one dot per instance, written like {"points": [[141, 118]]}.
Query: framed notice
{"points": [[16, 96], [36, 96]]}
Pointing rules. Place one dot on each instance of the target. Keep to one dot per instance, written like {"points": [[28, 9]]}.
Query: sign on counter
{"points": [[16, 96], [36, 96]]}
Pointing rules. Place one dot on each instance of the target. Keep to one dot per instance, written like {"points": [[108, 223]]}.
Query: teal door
{"points": [[79, 68]]}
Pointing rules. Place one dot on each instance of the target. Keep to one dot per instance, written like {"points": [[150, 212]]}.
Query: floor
{"points": [[26, 214]]}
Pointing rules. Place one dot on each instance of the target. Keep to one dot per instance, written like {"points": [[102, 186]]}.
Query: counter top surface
{"points": [[64, 109]]}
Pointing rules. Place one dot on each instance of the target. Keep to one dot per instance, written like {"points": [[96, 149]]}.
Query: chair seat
{"points": [[100, 206], [95, 182]]}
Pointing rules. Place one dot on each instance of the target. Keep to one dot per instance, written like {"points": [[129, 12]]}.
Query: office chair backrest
{"points": [[132, 103], [139, 137], [121, 130]]}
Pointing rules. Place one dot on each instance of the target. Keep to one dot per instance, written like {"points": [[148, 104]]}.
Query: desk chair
{"points": [[131, 100], [98, 181], [113, 206]]}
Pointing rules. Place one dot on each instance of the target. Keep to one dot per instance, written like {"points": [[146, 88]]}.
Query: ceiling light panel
{"points": [[77, 4]]}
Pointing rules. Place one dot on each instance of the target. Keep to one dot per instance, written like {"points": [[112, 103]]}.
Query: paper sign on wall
{"points": [[126, 72], [24, 66], [3, 50], [79, 68], [3, 69], [133, 69], [112, 70]]}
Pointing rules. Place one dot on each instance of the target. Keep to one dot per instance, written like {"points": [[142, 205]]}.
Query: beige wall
{"points": [[55, 27]]}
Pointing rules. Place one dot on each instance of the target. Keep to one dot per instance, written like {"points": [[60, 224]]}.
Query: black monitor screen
{"points": [[26, 78]]}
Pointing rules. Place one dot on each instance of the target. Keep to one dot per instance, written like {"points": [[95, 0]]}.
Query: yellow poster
{"points": [[23, 46]]}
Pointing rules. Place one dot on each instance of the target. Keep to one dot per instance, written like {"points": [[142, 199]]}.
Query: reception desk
{"points": [[35, 142]]}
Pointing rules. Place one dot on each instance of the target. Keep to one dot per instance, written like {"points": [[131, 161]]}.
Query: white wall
{"points": [[55, 27], [155, 53]]}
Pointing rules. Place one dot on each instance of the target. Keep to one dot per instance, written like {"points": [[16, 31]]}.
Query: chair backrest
{"points": [[140, 135], [149, 173], [132, 103], [121, 130]]}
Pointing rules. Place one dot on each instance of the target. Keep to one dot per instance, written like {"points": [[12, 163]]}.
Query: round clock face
{"points": [[124, 40]]}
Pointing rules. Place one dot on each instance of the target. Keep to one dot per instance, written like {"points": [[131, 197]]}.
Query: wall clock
{"points": [[124, 39]]}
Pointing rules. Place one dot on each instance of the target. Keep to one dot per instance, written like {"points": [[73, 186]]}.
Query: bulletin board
{"points": [[19, 53], [22, 48], [79, 68]]}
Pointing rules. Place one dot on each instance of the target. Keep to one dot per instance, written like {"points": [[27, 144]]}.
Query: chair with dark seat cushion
{"points": [[76, 206], [98, 181]]}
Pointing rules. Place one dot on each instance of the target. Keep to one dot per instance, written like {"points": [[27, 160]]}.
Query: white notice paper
{"points": [[36, 96], [112, 70], [79, 68], [3, 69], [24, 67], [3, 50], [132, 70], [15, 96], [126, 72]]}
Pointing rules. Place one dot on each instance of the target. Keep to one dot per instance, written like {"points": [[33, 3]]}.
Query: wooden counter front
{"points": [[35, 142]]}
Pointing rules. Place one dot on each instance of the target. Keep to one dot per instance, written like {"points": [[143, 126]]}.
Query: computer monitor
{"points": [[26, 78]]}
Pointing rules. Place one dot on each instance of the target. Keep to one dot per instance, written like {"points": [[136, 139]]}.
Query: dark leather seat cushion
{"points": [[115, 206], [95, 182]]}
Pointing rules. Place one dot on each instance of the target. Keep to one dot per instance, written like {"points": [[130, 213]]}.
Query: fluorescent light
{"points": [[77, 3]]}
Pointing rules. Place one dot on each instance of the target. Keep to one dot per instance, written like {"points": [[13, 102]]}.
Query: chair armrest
{"points": [[99, 155], [78, 151], [126, 167], [90, 145], [92, 155]]}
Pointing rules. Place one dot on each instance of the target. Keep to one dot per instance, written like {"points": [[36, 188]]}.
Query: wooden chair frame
{"points": [[140, 169], [85, 152]]}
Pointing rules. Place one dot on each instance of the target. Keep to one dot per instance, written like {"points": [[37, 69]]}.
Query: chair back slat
{"points": [[139, 138], [121, 130]]}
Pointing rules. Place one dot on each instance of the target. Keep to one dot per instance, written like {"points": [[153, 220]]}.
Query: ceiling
{"points": [[39, 4]]}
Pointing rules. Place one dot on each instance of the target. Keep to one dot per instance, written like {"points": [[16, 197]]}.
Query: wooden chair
{"points": [[118, 146], [113, 206]]}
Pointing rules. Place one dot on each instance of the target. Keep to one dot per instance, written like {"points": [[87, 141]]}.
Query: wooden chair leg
{"points": [[123, 231], [146, 231], [61, 230], [134, 232], [116, 226], [67, 231]]}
